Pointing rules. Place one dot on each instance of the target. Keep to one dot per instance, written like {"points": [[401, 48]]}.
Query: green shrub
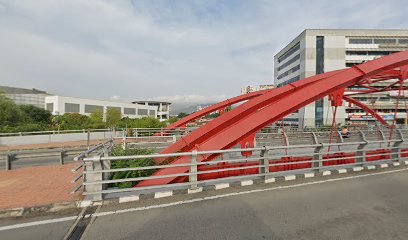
{"points": [[144, 162]]}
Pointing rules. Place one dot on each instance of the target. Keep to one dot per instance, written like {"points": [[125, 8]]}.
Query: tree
{"points": [[181, 115], [74, 121], [173, 120], [96, 117], [36, 115], [113, 117], [10, 113]]}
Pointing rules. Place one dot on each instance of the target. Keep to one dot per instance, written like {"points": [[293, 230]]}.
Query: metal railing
{"points": [[272, 159], [25, 158], [100, 150], [52, 132]]}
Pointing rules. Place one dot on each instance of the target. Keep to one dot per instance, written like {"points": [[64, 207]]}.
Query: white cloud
{"points": [[188, 50]]}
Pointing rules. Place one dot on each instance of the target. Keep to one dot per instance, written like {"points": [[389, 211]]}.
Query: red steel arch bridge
{"points": [[260, 109]]}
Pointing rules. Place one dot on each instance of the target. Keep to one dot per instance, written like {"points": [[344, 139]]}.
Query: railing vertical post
{"points": [[174, 139], [396, 150], [124, 142], [106, 165], [193, 171], [264, 164], [9, 160], [88, 139], [62, 155], [361, 153], [92, 176], [317, 156]]}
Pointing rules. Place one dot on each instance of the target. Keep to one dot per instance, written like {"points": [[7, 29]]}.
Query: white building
{"points": [[249, 89], [317, 51], [163, 108], [59, 105]]}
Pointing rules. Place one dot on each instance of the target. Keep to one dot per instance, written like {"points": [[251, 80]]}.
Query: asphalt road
{"points": [[374, 207], [364, 207]]}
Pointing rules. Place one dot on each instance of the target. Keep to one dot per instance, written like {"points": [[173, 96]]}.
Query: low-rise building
{"points": [[23, 96], [163, 108], [249, 89], [59, 105]]}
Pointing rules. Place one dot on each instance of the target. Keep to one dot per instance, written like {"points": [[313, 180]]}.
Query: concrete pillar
{"points": [[193, 171]]}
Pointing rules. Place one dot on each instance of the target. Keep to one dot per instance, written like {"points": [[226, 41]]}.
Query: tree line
{"points": [[25, 118]]}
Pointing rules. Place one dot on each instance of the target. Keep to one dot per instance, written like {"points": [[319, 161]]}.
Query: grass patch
{"points": [[132, 163]]}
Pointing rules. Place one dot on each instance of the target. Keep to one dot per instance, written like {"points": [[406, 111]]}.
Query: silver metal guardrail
{"points": [[29, 158], [276, 155]]}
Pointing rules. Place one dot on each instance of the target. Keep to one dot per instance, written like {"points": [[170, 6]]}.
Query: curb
{"points": [[25, 211]]}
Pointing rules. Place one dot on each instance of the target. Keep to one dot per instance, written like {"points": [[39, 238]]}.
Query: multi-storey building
{"points": [[163, 108], [316, 51], [24, 96]]}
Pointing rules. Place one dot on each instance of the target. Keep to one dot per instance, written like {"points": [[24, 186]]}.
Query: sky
{"points": [[182, 51]]}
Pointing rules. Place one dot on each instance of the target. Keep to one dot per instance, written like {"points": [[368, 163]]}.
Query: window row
{"points": [[369, 53], [294, 79], [289, 52], [378, 41], [295, 58], [292, 70], [74, 108]]}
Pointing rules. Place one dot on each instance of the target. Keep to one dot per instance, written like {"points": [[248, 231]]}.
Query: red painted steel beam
{"points": [[229, 129], [366, 109], [194, 116]]}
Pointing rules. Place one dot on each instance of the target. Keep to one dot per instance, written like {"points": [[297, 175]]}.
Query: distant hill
{"points": [[178, 108]]}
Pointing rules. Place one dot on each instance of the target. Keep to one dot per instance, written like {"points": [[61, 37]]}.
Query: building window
{"points": [[294, 79], [129, 111], [119, 109], [71, 108], [360, 41], [319, 70], [152, 112], [403, 41], [385, 41], [295, 58], [369, 53], [142, 112], [93, 108], [290, 71], [289, 52], [50, 107]]}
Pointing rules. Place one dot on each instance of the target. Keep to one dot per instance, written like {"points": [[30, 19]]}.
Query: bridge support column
{"points": [[264, 164]]}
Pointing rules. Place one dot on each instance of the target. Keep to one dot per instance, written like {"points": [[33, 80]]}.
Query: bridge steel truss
{"points": [[263, 108]]}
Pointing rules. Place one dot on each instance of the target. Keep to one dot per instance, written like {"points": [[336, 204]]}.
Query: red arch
{"points": [[194, 116], [229, 129], [366, 109]]}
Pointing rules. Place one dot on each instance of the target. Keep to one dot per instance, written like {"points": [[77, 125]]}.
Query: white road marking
{"points": [[100, 214], [36, 223]]}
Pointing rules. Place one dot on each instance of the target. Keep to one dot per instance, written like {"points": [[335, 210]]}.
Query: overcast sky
{"points": [[195, 51]]}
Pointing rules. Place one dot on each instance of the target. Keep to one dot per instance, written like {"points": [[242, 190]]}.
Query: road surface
{"points": [[367, 205]]}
